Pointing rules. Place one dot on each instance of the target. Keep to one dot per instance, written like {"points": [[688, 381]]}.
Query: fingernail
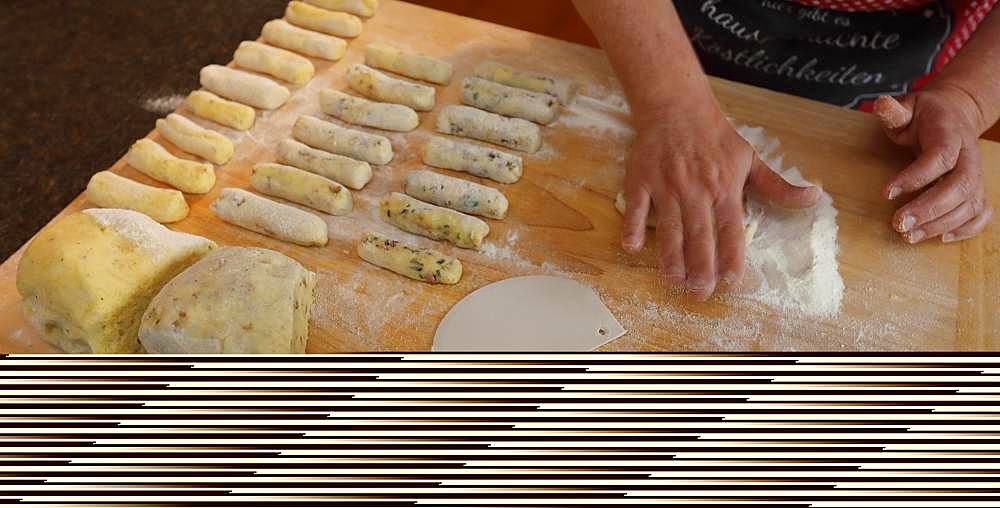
{"points": [[948, 238], [915, 236], [895, 191], [631, 244], [908, 222]]}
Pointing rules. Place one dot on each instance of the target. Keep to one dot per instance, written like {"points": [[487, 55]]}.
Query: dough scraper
{"points": [[532, 313]]}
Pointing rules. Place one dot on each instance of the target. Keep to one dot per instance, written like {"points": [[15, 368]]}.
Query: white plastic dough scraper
{"points": [[533, 313]]}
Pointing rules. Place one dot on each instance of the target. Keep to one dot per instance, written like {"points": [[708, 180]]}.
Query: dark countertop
{"points": [[76, 75]]}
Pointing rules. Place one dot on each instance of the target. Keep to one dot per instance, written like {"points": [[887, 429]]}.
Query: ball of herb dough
{"points": [[235, 300]]}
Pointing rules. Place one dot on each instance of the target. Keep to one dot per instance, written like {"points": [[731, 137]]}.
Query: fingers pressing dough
{"points": [[380, 115], [157, 163], [270, 218], [345, 170], [243, 87], [411, 65], [455, 193], [193, 138], [108, 190], [301, 187], [221, 111], [433, 221], [419, 264], [476, 160]]}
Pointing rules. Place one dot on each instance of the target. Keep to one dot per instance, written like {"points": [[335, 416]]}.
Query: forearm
{"points": [[975, 71], [649, 50]]}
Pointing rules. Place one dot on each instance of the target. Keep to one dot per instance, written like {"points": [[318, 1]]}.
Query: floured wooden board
{"points": [[562, 222]]}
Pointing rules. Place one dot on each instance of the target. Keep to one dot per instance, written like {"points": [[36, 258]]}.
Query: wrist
{"points": [[696, 105], [969, 102]]}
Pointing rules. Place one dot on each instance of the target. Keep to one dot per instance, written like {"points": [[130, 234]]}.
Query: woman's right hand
{"points": [[688, 169]]}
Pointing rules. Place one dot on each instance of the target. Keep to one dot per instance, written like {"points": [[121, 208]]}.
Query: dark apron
{"points": [[842, 58]]}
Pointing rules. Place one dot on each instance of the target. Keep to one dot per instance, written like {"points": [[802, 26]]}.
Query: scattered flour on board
{"points": [[794, 252], [597, 117], [163, 105]]}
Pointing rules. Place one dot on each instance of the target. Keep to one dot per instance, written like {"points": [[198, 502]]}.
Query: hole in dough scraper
{"points": [[533, 313]]}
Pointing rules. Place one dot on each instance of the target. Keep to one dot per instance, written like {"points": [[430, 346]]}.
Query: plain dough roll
{"points": [[490, 127], [234, 300], [481, 161], [411, 65], [108, 190], [269, 218], [425, 265], [279, 32], [193, 138], [345, 170], [432, 221], [380, 115], [156, 162], [376, 85], [509, 101], [348, 142], [221, 111], [563, 89], [282, 64], [244, 87], [306, 16], [301, 187], [86, 278], [365, 8], [455, 193]]}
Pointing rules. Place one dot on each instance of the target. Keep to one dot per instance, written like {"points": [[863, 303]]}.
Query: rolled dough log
{"points": [[490, 127], [280, 63], [279, 32], [365, 8], [157, 163], [380, 115], [411, 65], [455, 193], [750, 221], [432, 221], [476, 160], [419, 264], [563, 89], [340, 24], [348, 142], [108, 190], [193, 138], [345, 170], [244, 87], [509, 101], [376, 85], [269, 218], [234, 300], [87, 278], [221, 111], [301, 187]]}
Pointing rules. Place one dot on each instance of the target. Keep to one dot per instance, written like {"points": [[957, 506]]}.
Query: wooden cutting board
{"points": [[898, 297]]}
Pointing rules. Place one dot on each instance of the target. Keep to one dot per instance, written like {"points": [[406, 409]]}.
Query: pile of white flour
{"points": [[793, 255]]}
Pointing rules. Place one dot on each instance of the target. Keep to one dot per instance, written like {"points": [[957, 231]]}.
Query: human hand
{"points": [[690, 164], [941, 126]]}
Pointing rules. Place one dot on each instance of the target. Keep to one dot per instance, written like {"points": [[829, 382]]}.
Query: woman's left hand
{"points": [[941, 126]]}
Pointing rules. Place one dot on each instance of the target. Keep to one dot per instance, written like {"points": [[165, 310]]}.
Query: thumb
{"points": [[893, 115], [772, 188]]}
